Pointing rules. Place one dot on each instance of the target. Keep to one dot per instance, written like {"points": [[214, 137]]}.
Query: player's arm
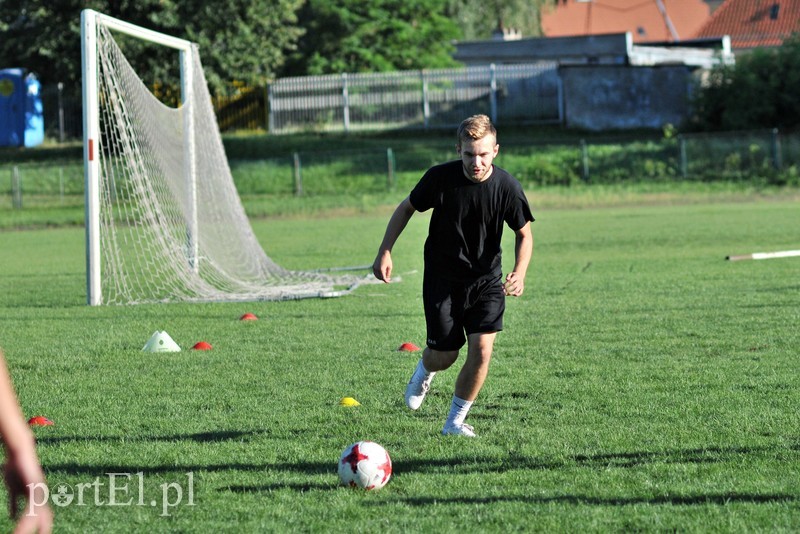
{"points": [[23, 473], [382, 267], [515, 280]]}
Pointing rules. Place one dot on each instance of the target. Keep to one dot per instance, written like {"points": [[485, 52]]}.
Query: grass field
{"points": [[642, 383]]}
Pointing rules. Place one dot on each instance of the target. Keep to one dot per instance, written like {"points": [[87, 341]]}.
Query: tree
{"points": [[379, 35], [243, 40], [239, 39], [478, 19]]}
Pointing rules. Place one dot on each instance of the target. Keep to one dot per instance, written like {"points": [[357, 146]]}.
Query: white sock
{"points": [[459, 409], [420, 373]]}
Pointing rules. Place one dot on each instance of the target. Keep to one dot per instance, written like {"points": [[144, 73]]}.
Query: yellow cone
{"points": [[349, 401]]}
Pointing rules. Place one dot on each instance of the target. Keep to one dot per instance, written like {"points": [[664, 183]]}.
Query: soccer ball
{"points": [[365, 465]]}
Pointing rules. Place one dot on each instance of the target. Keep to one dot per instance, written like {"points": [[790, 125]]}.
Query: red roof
{"points": [[679, 20], [754, 23]]}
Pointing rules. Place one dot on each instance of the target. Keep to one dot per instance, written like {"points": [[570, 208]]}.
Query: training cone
{"points": [[40, 420], [202, 345], [349, 401], [248, 317], [161, 342], [408, 347]]}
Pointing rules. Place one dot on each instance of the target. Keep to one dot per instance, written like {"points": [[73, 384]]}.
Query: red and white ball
{"points": [[365, 465]]}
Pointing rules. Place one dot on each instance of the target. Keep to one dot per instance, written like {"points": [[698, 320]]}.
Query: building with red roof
{"points": [[646, 20], [753, 23]]}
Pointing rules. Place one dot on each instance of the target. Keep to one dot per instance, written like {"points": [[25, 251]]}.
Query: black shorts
{"points": [[453, 309]]}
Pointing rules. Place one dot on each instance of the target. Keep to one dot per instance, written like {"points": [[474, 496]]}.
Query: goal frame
{"points": [[92, 141]]}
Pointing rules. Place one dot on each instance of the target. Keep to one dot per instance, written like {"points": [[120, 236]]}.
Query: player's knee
{"points": [[439, 360]]}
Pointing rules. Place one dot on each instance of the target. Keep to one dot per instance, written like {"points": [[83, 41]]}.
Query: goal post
{"points": [[91, 133], [164, 221]]}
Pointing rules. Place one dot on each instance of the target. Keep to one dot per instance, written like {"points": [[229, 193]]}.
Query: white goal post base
{"points": [[164, 222], [764, 255]]}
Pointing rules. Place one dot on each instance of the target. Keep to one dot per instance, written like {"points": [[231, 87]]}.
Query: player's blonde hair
{"points": [[476, 127]]}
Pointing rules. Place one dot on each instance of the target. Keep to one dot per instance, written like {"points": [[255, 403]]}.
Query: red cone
{"points": [[408, 347], [40, 420], [202, 345], [248, 317]]}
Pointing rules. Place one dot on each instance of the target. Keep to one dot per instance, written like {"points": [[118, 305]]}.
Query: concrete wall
{"points": [[604, 97]]}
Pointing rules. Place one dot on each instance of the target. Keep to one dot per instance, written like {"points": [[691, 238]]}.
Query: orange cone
{"points": [[201, 345], [40, 420], [248, 317], [408, 347]]}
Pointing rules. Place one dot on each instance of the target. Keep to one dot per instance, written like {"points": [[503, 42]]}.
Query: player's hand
{"points": [[514, 284], [22, 475], [382, 268]]}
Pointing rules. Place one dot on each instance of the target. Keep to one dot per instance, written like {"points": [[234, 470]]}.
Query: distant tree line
{"points": [[252, 42]]}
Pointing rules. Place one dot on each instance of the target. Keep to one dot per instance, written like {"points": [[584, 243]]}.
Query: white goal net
{"points": [[164, 220]]}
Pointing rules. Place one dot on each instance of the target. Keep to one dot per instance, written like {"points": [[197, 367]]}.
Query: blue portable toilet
{"points": [[21, 112]]}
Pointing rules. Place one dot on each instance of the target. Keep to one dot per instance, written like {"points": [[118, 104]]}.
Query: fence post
{"points": [[426, 107], [777, 157], [266, 107], [16, 189], [298, 176], [390, 165], [270, 117], [345, 103], [61, 184], [493, 93], [60, 112], [585, 160], [684, 161]]}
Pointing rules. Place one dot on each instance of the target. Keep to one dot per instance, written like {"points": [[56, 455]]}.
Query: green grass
{"points": [[642, 383]]}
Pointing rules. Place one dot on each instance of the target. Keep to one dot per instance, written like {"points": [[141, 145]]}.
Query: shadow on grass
{"points": [[98, 469], [199, 437], [720, 499], [453, 465], [593, 461], [269, 488]]}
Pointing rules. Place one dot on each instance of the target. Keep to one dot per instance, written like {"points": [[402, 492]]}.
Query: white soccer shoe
{"points": [[459, 430], [416, 391]]}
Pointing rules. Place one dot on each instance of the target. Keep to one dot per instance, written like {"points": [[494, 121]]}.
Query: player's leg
{"points": [[469, 383], [427, 367], [482, 320], [438, 360], [476, 367], [442, 303]]}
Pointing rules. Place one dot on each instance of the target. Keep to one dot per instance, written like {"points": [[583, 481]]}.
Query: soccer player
{"points": [[23, 473], [463, 288]]}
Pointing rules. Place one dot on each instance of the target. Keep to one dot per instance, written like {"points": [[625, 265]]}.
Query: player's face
{"points": [[476, 157]]}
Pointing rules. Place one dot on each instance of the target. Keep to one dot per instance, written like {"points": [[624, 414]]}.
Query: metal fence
{"points": [[509, 94], [758, 157], [61, 108], [518, 94]]}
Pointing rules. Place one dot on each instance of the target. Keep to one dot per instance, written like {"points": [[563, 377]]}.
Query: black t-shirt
{"points": [[467, 222]]}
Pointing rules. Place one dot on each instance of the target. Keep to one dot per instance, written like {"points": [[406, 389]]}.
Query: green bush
{"points": [[760, 91]]}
